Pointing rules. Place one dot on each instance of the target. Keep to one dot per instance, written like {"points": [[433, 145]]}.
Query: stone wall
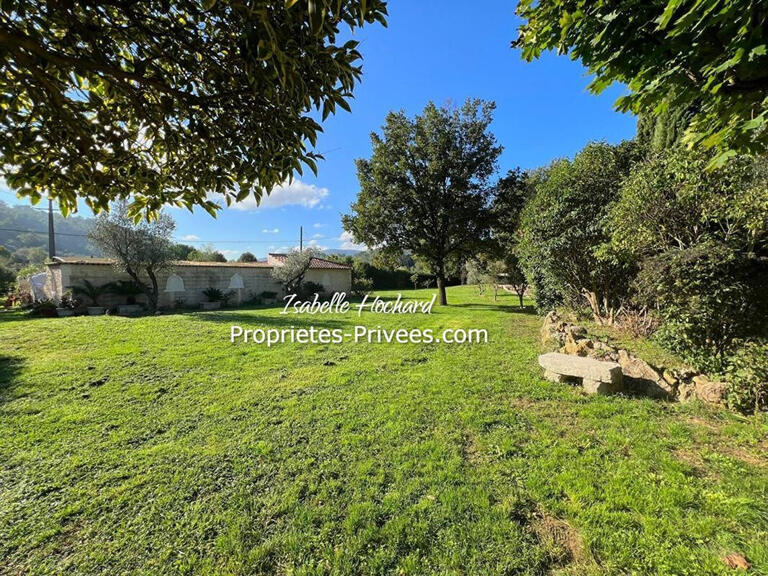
{"points": [[639, 376], [195, 277]]}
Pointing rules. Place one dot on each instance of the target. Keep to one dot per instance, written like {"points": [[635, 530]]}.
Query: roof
{"points": [[316, 262]]}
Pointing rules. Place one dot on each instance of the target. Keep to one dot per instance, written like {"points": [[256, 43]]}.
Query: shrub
{"points": [[747, 376], [708, 296], [213, 294], [563, 228], [267, 295], [308, 289]]}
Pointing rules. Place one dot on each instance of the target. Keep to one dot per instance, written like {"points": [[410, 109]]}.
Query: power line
{"points": [[179, 239]]}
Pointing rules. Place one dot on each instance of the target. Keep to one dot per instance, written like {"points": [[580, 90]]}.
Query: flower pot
{"points": [[128, 309], [95, 310], [63, 312], [210, 305]]}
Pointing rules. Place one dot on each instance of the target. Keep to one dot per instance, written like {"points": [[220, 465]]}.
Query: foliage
{"points": [[7, 278], [141, 249], [308, 289], [424, 189], [291, 273], [91, 291], [268, 295], [68, 300], [206, 254], [411, 459], [181, 251], [170, 103], [709, 59], [44, 305], [562, 230], [247, 257], [700, 238], [213, 294], [747, 375], [708, 296]]}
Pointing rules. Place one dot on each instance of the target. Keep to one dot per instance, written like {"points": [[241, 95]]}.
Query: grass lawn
{"points": [[155, 446]]}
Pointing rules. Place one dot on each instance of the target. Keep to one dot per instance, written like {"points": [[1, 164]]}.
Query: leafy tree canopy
{"points": [[169, 102], [140, 249], [707, 57], [424, 189]]}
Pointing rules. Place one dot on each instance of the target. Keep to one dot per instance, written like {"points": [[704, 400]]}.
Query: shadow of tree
{"points": [[10, 367]]}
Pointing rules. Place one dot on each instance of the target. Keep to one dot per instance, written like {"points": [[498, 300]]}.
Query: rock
{"points": [[670, 378], [581, 347], [686, 391], [597, 377], [709, 391], [575, 330], [643, 378], [736, 561]]}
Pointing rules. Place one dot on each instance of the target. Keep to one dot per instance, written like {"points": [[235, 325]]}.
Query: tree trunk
{"points": [[441, 299], [520, 295], [152, 294]]}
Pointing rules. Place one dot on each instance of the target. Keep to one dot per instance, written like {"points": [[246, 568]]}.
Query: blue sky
{"points": [[440, 50]]}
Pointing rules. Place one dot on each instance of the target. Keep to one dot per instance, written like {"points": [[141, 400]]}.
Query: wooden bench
{"points": [[597, 377]]}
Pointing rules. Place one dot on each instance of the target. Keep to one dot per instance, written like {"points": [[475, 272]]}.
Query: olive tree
{"points": [[140, 249]]}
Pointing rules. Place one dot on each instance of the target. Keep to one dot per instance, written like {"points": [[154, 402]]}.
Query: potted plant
{"points": [[67, 305], [214, 296], [92, 292], [45, 308], [269, 297], [128, 289]]}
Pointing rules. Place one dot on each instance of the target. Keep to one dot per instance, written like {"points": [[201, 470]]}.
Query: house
{"points": [[185, 280]]}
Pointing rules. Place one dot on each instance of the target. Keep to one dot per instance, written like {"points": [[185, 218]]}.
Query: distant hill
{"points": [[340, 252], [24, 230]]}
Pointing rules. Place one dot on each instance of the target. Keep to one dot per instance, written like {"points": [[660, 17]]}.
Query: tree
{"points": [[142, 250], [7, 278], [511, 193], [424, 189], [700, 239], [170, 102], [705, 57], [206, 254], [247, 257], [291, 273], [182, 251], [563, 228]]}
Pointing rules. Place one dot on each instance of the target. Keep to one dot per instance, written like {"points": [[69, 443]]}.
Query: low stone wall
{"points": [[640, 377]]}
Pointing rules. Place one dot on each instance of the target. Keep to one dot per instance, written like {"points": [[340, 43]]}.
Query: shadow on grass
{"points": [[508, 308], [283, 321], [10, 367]]}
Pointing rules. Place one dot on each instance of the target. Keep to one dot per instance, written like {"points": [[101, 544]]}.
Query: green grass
{"points": [[154, 446]]}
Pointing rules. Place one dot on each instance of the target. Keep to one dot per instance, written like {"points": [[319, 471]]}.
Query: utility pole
{"points": [[301, 238], [51, 239]]}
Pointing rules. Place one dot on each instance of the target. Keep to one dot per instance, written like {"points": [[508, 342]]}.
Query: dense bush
{"points": [[308, 289], [747, 374], [700, 239], [708, 296], [563, 228]]}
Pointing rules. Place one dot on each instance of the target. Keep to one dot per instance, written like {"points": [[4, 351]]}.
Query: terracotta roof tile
{"points": [[316, 262]]}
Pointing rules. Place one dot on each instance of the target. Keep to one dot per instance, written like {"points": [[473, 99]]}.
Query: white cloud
{"points": [[348, 242], [296, 193], [317, 236], [317, 225], [268, 231], [190, 238], [230, 252]]}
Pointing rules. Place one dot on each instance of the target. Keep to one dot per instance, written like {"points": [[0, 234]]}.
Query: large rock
{"points": [[709, 391], [641, 377], [597, 377], [580, 347]]}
